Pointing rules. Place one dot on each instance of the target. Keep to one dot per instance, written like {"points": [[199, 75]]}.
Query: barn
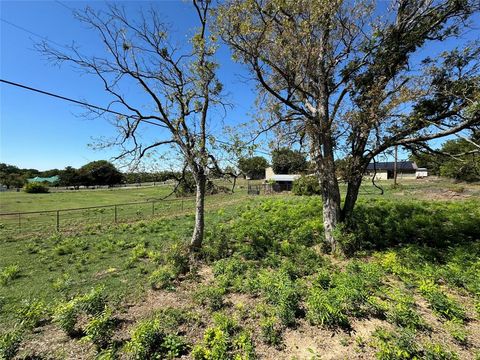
{"points": [[405, 170]]}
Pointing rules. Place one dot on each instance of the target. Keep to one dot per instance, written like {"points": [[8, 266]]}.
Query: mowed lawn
{"points": [[22, 202]]}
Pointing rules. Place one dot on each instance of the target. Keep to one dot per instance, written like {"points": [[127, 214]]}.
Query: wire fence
{"points": [[68, 219]]}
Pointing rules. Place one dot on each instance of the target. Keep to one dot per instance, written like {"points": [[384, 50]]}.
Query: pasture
{"points": [[262, 288]]}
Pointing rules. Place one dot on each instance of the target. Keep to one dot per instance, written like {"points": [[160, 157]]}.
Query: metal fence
{"points": [[66, 219]]}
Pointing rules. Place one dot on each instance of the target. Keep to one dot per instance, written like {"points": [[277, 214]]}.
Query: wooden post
{"points": [[19, 221], [115, 207], [58, 220], [395, 167], [182, 203], [153, 208]]}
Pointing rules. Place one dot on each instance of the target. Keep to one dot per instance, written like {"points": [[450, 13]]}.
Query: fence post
{"points": [[115, 207], [58, 220], [153, 208], [19, 221], [182, 203]]}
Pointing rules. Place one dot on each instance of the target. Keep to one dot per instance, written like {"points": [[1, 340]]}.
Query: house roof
{"points": [[284, 177], [401, 165], [50, 179]]}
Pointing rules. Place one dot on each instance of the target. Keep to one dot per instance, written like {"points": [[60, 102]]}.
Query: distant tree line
{"points": [[99, 172]]}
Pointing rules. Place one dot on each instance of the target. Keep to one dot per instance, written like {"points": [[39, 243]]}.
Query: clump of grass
{"points": [[148, 341], [271, 330], [401, 310], [210, 297], [9, 273], [333, 298], [99, 329], [32, 313], [282, 293], [162, 278], [10, 342], [438, 352], [439, 302], [67, 313], [392, 346], [457, 330], [225, 340]]}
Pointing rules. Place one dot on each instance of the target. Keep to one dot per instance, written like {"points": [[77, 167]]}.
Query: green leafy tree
{"points": [[100, 172], [464, 162], [70, 177], [253, 167], [344, 80], [287, 161]]}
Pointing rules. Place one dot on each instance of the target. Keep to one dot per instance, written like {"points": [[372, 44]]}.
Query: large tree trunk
{"points": [[331, 205], [197, 237]]}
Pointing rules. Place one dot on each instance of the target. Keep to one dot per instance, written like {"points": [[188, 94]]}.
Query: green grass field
{"points": [[262, 289]]}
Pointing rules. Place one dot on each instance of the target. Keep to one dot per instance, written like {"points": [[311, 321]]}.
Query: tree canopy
{"points": [[343, 79], [253, 167], [288, 161]]}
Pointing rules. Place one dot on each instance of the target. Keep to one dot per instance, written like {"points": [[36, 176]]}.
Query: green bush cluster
{"points": [[210, 296], [440, 302], [306, 185], [9, 273], [378, 224], [149, 341], [32, 312], [10, 342], [36, 188], [333, 298], [282, 293], [66, 313], [225, 340], [99, 328], [174, 262]]}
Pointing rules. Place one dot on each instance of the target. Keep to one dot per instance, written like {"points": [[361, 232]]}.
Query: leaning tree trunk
{"points": [[197, 237], [353, 188]]}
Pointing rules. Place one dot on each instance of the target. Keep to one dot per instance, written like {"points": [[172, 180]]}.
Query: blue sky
{"points": [[41, 132]]}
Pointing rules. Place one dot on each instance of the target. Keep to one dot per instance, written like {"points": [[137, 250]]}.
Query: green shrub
{"points": [[9, 273], [457, 330], [439, 302], [32, 313], [36, 188], [146, 340], [395, 346], [271, 331], [9, 343], [214, 346], [230, 272], [65, 316], [177, 258], [173, 346], [210, 296], [99, 329], [162, 278], [226, 340], [335, 297], [325, 309], [437, 352], [93, 302], [306, 185], [282, 293], [401, 310]]}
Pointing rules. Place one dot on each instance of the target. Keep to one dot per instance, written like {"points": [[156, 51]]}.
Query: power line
{"points": [[64, 5], [76, 101], [32, 33], [43, 92]]}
